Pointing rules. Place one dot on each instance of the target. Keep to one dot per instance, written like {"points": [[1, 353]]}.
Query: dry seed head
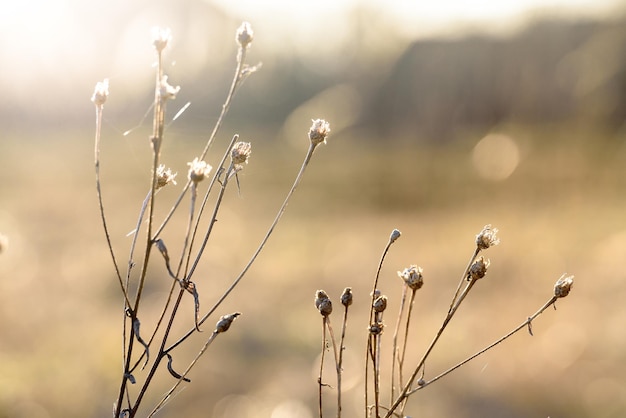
{"points": [[160, 38], [240, 153], [395, 234], [380, 304], [487, 238], [224, 323], [245, 35], [346, 297], [478, 269], [323, 303], [319, 131], [101, 92], [563, 286], [198, 170], [167, 91], [376, 328], [412, 276], [164, 177]]}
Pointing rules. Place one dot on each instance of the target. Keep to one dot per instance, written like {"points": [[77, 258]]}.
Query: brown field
{"points": [[561, 210]]}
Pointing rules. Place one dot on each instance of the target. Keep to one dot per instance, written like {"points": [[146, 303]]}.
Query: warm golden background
{"points": [[444, 117]]}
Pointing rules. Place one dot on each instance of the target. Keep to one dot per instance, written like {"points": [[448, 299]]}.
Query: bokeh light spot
{"points": [[495, 157]]}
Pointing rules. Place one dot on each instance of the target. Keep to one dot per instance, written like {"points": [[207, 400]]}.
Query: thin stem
{"points": [[407, 386], [395, 355], [524, 324], [371, 317], [269, 232], [404, 344], [319, 378], [180, 380], [99, 110], [340, 362], [463, 278], [241, 58]]}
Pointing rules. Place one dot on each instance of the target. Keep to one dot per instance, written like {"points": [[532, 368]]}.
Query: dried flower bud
{"points": [[160, 38], [380, 304], [395, 234], [224, 323], [167, 91], [346, 297], [376, 328], [101, 92], [240, 153], [563, 286], [245, 35], [487, 238], [323, 303], [198, 170], [412, 276], [164, 177], [319, 131], [478, 269]]}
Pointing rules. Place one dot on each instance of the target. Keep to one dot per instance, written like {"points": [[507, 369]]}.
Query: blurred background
{"points": [[445, 117]]}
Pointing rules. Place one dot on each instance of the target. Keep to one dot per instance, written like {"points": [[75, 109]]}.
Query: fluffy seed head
{"points": [[563, 286], [167, 91], [160, 38], [412, 276], [240, 153], [478, 269], [198, 170], [244, 35], [319, 131], [487, 238], [101, 92], [164, 177]]}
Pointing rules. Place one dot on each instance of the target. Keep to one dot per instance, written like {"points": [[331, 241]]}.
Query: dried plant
{"points": [[150, 349], [399, 387]]}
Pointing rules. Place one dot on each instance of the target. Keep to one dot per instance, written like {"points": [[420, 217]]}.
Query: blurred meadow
{"points": [[438, 127]]}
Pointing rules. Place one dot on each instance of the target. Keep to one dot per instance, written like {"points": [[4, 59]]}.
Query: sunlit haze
{"points": [[50, 45]]}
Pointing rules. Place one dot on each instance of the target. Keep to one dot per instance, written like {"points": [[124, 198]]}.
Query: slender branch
{"points": [[269, 232], [524, 324]]}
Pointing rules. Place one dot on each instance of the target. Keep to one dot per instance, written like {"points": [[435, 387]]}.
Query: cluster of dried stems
{"points": [[401, 388], [141, 353]]}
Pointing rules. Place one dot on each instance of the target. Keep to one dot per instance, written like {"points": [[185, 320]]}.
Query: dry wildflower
{"points": [[478, 269], [563, 286], [376, 328], [198, 170], [380, 304], [101, 92], [224, 323], [487, 238], [160, 38], [395, 234], [323, 303], [346, 297], [240, 153], [319, 131], [412, 276], [166, 90], [244, 35], [164, 176]]}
